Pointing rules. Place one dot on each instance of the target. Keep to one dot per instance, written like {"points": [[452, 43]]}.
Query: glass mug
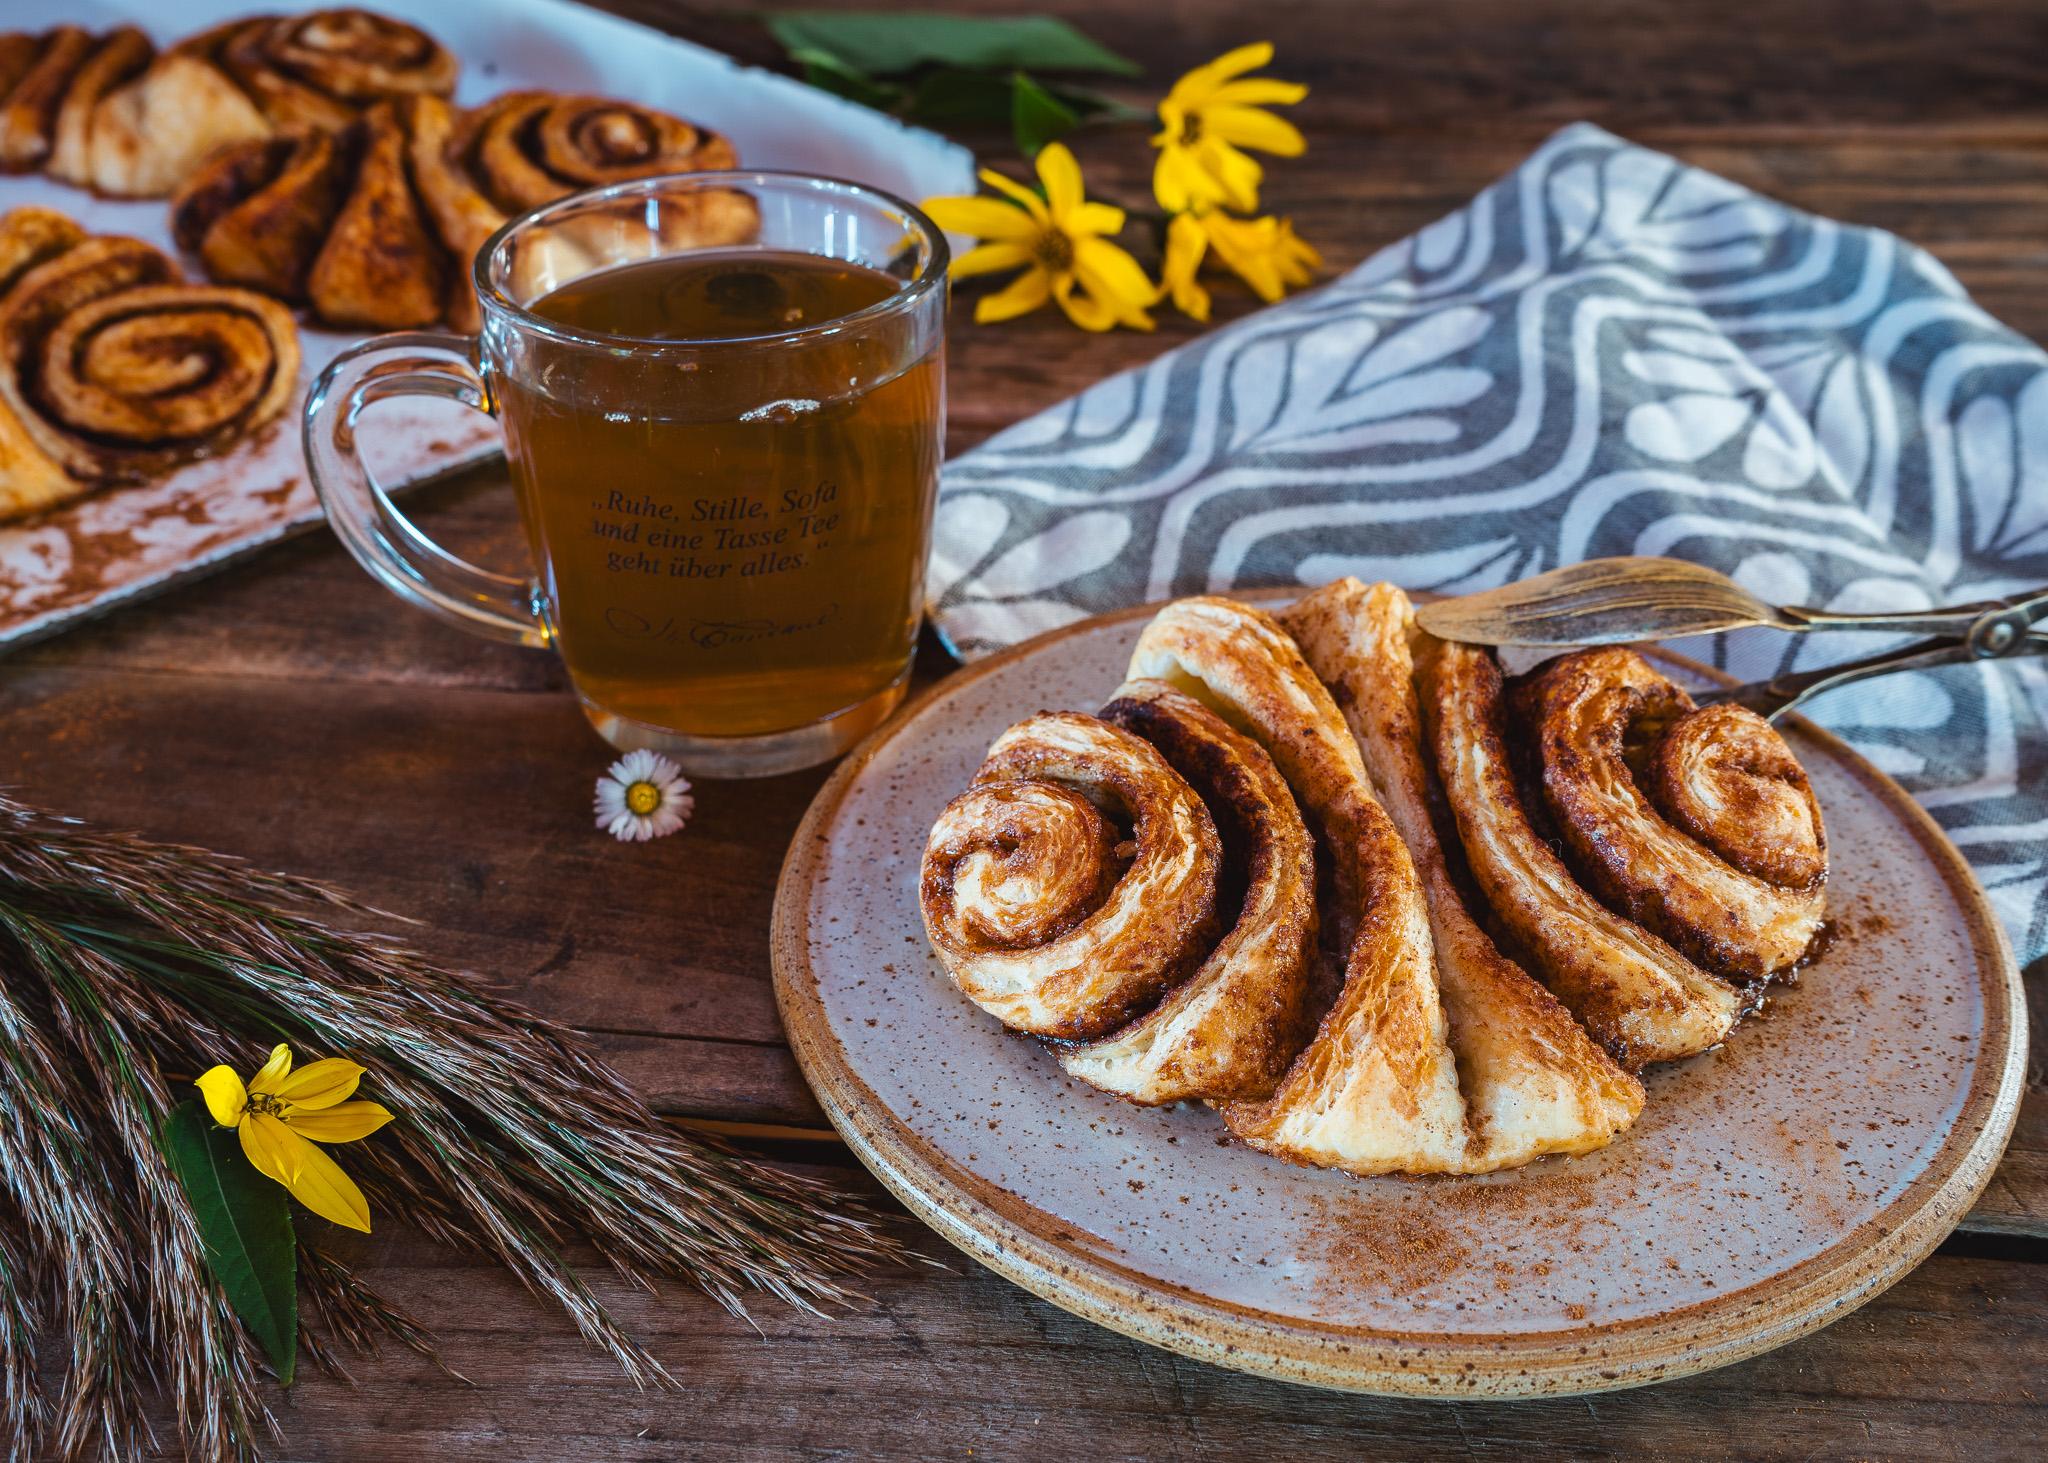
{"points": [[729, 531]]}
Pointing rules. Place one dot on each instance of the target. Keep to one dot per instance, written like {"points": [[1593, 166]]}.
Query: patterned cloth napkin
{"points": [[1606, 352]]}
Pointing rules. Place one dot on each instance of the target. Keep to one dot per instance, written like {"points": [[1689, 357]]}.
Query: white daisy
{"points": [[643, 795]]}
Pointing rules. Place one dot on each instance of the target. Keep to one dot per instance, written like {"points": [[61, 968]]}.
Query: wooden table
{"points": [[293, 712]]}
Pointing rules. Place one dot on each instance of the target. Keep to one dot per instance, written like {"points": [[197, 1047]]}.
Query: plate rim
{"points": [[992, 1226]]}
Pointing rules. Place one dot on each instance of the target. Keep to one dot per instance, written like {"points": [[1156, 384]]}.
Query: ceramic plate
{"points": [[1770, 1185]]}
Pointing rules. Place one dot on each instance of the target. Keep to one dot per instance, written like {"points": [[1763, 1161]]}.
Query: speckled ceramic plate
{"points": [[1770, 1186]]}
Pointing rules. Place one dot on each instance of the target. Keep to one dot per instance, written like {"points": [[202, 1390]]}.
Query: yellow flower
{"points": [[281, 1109], [1263, 252], [1058, 241], [1208, 116]]}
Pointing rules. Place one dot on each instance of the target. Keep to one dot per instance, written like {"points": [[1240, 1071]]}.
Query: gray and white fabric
{"points": [[1606, 352]]}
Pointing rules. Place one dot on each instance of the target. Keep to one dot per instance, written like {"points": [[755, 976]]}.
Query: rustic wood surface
{"points": [[294, 713]]}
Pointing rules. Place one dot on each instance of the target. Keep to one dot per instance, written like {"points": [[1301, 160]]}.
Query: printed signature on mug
{"points": [[713, 634]]}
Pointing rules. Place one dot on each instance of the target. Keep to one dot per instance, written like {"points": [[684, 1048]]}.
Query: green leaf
{"points": [[1037, 116], [890, 42], [827, 72], [948, 96], [245, 1225]]}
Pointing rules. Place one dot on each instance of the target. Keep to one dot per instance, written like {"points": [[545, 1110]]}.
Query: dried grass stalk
{"points": [[128, 966]]}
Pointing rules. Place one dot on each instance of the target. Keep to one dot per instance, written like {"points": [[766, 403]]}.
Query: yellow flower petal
{"points": [[322, 1084], [225, 1095], [1180, 182], [1082, 308], [323, 1188], [343, 1124], [1186, 243], [1298, 259], [1009, 188], [1234, 178], [1062, 178], [1203, 82], [1096, 218], [983, 218], [1247, 246], [1250, 127], [990, 258], [271, 1147], [1025, 294], [1113, 274], [273, 1071], [1259, 91], [1112, 293]]}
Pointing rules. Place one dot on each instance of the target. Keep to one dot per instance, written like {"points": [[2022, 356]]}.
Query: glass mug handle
{"points": [[383, 540]]}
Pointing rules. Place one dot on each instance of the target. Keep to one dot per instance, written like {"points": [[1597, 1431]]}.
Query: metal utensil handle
{"points": [[2020, 611], [1775, 697]]}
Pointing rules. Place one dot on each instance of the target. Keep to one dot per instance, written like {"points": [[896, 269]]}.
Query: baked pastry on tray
{"points": [[108, 112], [375, 226], [114, 369], [1292, 870]]}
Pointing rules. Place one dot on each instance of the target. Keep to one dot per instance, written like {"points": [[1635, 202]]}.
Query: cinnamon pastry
{"points": [[1533, 1081], [28, 113], [323, 68], [1684, 846], [119, 55], [377, 225], [241, 82], [1376, 1089], [1229, 1030], [330, 221], [1045, 911], [113, 369], [527, 148], [150, 135], [1641, 999]]}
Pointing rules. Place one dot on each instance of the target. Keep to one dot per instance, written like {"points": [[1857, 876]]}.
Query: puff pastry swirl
{"points": [[1230, 1029], [1716, 845], [1533, 1081], [1048, 913]]}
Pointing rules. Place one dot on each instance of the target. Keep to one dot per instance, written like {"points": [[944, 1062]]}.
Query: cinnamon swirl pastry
{"points": [[42, 69], [137, 127], [1533, 1081], [1228, 1031], [1641, 999], [112, 368], [117, 56], [527, 148], [1376, 1088], [323, 68], [377, 225], [1699, 825], [1046, 911]]}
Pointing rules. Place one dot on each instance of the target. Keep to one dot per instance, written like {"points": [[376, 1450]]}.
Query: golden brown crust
{"points": [[1229, 1030], [28, 114], [115, 369], [1585, 709], [1025, 889], [1532, 1080], [1375, 1090], [257, 214], [1641, 999], [1724, 776], [323, 68], [151, 134], [118, 56], [381, 266], [527, 148]]}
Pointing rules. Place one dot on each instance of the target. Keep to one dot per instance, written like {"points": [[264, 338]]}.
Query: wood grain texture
{"points": [[295, 713]]}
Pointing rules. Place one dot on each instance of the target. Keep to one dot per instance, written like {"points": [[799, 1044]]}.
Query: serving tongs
{"points": [[1613, 601]]}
